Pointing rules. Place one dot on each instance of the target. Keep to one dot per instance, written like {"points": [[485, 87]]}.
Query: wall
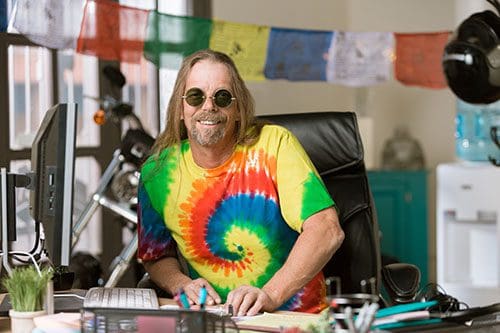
{"points": [[428, 113]]}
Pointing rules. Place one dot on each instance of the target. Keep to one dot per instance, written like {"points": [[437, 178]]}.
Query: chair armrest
{"points": [[401, 281]]}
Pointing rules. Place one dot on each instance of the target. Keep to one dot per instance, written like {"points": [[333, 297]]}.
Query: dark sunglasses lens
{"points": [[223, 98], [194, 97]]}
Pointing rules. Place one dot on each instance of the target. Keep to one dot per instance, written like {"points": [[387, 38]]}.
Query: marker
{"points": [[178, 301], [369, 317], [361, 316], [348, 319], [203, 297], [184, 300]]}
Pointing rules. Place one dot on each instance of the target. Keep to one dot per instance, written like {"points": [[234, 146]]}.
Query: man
{"points": [[241, 201]]}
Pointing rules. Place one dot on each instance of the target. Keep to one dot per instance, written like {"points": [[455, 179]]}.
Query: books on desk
{"points": [[405, 315]]}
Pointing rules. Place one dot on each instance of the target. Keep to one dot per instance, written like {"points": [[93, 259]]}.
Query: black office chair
{"points": [[333, 142]]}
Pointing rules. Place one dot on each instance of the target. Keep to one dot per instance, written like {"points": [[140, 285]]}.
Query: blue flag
{"points": [[3, 15], [297, 55]]}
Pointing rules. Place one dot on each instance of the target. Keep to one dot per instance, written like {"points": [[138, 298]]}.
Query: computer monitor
{"points": [[53, 165]]}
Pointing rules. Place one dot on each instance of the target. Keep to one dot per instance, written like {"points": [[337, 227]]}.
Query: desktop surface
{"points": [[451, 327], [286, 316], [68, 303]]}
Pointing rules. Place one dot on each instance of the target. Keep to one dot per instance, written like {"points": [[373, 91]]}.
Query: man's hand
{"points": [[248, 301], [192, 290]]}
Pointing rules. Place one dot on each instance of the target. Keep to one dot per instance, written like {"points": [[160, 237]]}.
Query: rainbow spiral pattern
{"points": [[227, 223]]}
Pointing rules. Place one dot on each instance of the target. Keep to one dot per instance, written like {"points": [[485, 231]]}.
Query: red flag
{"points": [[111, 31], [418, 59]]}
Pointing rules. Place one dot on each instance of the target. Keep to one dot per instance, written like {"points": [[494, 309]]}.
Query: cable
{"points": [[36, 251], [445, 303], [70, 295], [24, 253]]}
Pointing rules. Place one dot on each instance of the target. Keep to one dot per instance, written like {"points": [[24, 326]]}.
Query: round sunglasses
{"points": [[196, 97]]}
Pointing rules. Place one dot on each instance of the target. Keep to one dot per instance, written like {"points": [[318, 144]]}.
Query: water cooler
{"points": [[468, 231]]}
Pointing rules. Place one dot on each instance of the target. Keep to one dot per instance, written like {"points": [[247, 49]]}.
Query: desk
{"points": [[292, 317], [4, 321], [452, 328]]}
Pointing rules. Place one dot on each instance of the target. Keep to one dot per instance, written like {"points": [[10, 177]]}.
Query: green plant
{"points": [[27, 287]]}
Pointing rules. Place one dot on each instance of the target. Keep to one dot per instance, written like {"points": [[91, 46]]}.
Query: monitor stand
{"points": [[63, 278]]}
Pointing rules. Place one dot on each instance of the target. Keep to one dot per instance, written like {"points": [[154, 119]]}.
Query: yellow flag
{"points": [[246, 44]]}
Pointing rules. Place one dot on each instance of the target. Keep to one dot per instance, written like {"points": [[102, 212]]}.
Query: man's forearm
{"points": [[166, 273], [314, 247]]}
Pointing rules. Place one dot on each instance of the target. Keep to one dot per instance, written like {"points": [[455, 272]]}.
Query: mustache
{"points": [[210, 116]]}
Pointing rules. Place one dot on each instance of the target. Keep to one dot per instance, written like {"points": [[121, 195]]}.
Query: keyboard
{"points": [[129, 298]]}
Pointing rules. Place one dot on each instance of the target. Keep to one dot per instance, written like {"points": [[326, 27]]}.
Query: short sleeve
{"points": [[302, 192], [155, 240]]}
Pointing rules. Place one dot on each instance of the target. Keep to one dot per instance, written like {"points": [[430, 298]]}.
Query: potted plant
{"points": [[26, 287]]}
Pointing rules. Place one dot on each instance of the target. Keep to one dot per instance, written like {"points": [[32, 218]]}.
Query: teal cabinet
{"points": [[401, 204]]}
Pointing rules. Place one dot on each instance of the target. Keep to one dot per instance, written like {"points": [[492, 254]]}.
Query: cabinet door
{"points": [[401, 203]]}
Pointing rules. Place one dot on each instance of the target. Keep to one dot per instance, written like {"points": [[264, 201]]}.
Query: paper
{"points": [[58, 320], [273, 322]]}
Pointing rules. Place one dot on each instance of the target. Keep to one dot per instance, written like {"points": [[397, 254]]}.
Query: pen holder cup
{"points": [[339, 303]]}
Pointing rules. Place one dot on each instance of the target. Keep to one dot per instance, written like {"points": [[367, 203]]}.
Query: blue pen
{"points": [[203, 297], [183, 298]]}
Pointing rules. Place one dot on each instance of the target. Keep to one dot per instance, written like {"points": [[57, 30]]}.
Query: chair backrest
{"points": [[333, 142]]}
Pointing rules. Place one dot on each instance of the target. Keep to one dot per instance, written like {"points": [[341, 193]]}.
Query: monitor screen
{"points": [[53, 163]]}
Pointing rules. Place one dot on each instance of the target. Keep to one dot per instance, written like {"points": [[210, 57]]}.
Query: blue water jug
{"points": [[473, 122]]}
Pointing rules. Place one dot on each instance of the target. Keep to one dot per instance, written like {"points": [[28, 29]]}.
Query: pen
{"points": [[178, 300], [348, 319], [203, 297], [361, 316], [183, 299], [369, 317]]}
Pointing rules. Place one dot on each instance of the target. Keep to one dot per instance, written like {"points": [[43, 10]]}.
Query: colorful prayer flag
{"points": [[246, 44], [297, 54], [50, 23], [360, 58], [171, 38], [3, 15], [418, 59], [112, 32]]}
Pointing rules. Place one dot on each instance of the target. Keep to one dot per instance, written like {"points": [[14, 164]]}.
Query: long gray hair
{"points": [[248, 129]]}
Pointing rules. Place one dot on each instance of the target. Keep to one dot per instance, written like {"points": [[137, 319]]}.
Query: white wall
{"points": [[428, 113]]}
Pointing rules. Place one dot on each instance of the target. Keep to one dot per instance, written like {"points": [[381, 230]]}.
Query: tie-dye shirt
{"points": [[234, 224]]}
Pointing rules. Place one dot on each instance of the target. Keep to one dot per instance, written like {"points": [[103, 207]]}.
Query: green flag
{"points": [[171, 38]]}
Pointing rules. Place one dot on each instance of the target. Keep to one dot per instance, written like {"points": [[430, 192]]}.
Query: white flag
{"points": [[360, 58], [50, 23]]}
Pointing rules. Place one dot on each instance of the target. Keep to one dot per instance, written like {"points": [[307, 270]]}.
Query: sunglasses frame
{"points": [[213, 97]]}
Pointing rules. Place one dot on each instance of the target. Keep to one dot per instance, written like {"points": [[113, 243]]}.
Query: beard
{"points": [[209, 136]]}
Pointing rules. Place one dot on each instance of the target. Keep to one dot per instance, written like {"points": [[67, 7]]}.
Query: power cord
{"points": [[445, 303]]}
